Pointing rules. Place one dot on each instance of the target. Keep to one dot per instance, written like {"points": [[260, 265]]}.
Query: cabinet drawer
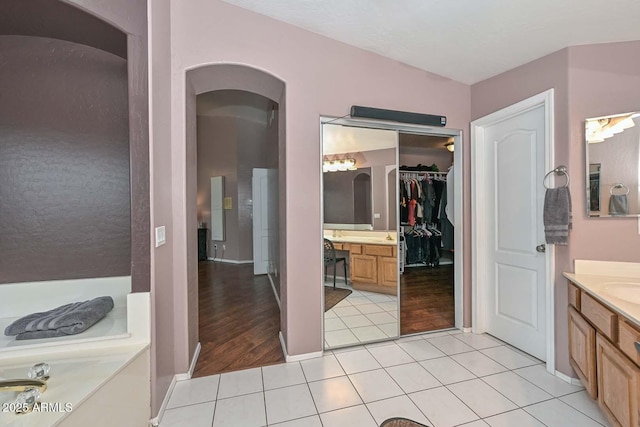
{"points": [[600, 316], [355, 249], [338, 246], [628, 336], [378, 250], [574, 295]]}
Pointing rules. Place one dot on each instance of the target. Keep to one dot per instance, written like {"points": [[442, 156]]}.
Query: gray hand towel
{"points": [[65, 320], [618, 204], [557, 215]]}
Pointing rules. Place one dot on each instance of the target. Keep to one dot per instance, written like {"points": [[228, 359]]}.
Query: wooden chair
{"points": [[331, 259]]}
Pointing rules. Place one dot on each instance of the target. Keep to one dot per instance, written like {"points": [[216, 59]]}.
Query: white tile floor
{"points": [[443, 379], [359, 318]]}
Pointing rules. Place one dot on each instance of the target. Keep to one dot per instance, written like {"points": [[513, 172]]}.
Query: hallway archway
{"points": [[215, 77]]}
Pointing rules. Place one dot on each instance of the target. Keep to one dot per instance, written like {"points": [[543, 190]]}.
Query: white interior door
{"points": [[261, 230], [514, 291]]}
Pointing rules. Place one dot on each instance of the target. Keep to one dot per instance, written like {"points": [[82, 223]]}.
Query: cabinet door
{"points": [[388, 271], [582, 346], [618, 384], [364, 268]]}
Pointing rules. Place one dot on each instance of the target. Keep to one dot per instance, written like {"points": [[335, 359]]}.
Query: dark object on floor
{"points": [[400, 422], [65, 320], [332, 296], [330, 259]]}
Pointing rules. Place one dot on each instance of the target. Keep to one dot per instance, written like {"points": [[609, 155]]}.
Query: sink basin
{"points": [[625, 291]]}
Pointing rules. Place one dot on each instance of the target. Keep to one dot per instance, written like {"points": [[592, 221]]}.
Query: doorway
{"points": [[511, 151], [234, 128]]}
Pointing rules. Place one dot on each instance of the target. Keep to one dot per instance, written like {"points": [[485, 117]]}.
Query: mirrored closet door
{"points": [[359, 234], [388, 231]]}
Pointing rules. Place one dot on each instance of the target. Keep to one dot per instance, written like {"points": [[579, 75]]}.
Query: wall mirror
{"points": [[613, 165], [360, 234]]}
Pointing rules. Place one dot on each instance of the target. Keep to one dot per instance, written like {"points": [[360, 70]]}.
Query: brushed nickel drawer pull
{"points": [[637, 344]]}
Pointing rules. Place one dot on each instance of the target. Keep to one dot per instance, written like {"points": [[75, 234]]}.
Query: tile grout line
{"points": [[311, 394], [215, 406], [264, 396]]}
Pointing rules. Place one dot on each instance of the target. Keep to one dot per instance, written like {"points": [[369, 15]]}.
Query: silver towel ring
{"points": [[560, 170], [618, 185]]}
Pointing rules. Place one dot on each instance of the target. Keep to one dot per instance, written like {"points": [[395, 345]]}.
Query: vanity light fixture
{"points": [[597, 130], [339, 165]]}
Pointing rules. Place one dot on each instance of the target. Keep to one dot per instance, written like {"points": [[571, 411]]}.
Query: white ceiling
{"points": [[465, 40]]}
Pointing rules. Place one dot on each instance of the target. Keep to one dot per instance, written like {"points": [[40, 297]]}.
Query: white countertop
{"points": [[73, 378], [594, 286], [362, 240], [362, 237]]}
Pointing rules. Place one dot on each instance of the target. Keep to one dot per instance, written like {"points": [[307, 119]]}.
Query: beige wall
{"points": [[130, 16], [163, 312]]}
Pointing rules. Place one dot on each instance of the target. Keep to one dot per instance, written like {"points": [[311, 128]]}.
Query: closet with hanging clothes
{"points": [[427, 233]]}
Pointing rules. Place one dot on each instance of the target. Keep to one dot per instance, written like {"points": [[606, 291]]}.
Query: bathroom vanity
{"points": [[604, 336], [373, 259]]}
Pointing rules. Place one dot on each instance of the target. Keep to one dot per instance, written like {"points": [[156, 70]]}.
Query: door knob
{"points": [[541, 248]]}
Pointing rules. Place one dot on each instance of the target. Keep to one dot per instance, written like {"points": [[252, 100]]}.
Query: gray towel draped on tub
{"points": [[557, 215], [65, 320]]}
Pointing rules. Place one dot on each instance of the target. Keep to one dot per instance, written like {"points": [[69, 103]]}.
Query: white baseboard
{"points": [[154, 422], [182, 377], [567, 378], [192, 368], [467, 330], [231, 261], [275, 293], [283, 344], [297, 357], [305, 356]]}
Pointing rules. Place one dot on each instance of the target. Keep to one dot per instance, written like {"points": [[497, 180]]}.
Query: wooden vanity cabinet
{"points": [[603, 353], [388, 272], [618, 384], [364, 269], [375, 268], [582, 351]]}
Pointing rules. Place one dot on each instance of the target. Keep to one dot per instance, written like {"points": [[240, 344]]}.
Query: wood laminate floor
{"points": [[426, 299], [239, 319]]}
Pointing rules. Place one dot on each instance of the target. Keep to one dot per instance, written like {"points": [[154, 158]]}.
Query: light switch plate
{"points": [[161, 237], [376, 215]]}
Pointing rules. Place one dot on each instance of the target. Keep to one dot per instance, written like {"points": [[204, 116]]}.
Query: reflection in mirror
{"points": [[594, 187], [360, 238], [613, 159], [347, 199]]}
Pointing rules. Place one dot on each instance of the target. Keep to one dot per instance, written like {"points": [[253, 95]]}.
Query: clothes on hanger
{"points": [[423, 206]]}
